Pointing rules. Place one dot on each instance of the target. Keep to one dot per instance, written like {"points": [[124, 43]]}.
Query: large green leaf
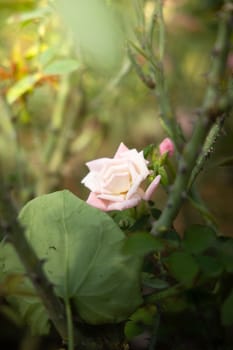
{"points": [[82, 247]]}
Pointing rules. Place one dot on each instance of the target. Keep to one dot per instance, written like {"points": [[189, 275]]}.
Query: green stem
{"points": [[60, 141], [14, 233], [154, 335], [57, 118], [166, 112], [161, 31], [70, 326], [155, 80]]}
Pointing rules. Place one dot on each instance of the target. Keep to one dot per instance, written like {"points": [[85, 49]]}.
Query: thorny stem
{"points": [[166, 112], [211, 110], [161, 31], [155, 80], [207, 150], [13, 232]]}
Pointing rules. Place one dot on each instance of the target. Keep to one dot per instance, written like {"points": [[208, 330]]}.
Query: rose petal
{"points": [[92, 181], [133, 172], [115, 168], [111, 197], [151, 188], [134, 188], [137, 160], [126, 204], [118, 183], [98, 164], [121, 149], [96, 202]]}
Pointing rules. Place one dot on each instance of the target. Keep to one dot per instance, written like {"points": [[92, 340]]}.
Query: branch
{"points": [[13, 232], [210, 112]]}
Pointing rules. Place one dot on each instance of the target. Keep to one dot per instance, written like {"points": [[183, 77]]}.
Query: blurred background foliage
{"points": [[69, 93]]}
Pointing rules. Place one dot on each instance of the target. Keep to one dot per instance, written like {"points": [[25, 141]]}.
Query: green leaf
{"points": [[148, 150], [164, 178], [176, 304], [132, 329], [144, 315], [149, 280], [22, 86], [142, 243], [29, 307], [141, 224], [227, 310], [124, 218], [155, 212], [45, 57], [61, 66], [171, 240], [34, 313], [225, 253], [183, 267], [141, 319], [172, 235], [29, 15], [82, 247], [209, 265], [198, 238]]}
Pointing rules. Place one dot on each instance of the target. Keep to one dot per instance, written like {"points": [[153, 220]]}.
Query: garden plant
{"points": [[109, 267]]}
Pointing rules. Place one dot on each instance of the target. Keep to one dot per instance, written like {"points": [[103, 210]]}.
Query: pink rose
{"points": [[115, 183], [167, 146]]}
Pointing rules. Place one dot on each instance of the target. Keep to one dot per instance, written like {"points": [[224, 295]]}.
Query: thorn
{"points": [[184, 195], [6, 239], [170, 188], [35, 278], [199, 111], [216, 52], [169, 205], [43, 261], [183, 169]]}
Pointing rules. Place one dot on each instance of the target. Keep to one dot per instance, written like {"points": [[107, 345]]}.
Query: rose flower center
{"points": [[118, 183]]}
